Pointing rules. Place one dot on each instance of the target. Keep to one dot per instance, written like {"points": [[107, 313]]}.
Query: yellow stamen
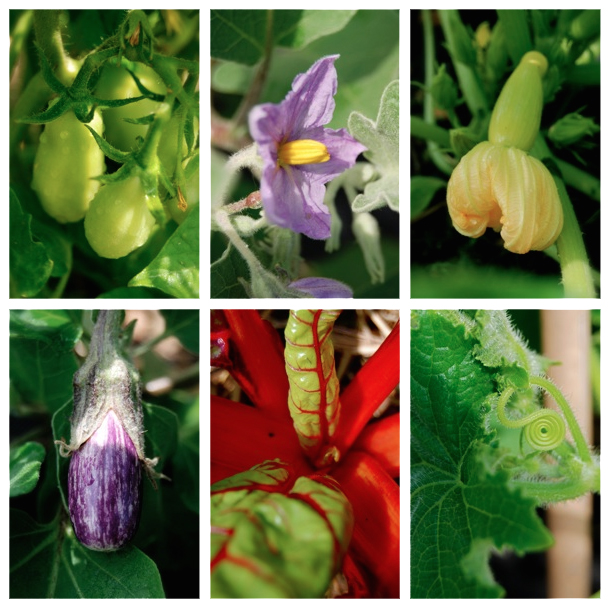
{"points": [[302, 152]]}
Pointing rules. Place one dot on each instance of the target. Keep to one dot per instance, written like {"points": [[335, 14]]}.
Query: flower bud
{"points": [[515, 120], [571, 128], [505, 189], [444, 90]]}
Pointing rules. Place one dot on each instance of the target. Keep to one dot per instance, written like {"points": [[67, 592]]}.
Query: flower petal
{"points": [[292, 199], [311, 102], [322, 288]]}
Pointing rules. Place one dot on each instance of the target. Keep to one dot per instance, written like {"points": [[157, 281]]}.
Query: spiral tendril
{"points": [[544, 429]]}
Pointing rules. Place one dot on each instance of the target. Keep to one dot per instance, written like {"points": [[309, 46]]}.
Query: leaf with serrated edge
{"points": [[460, 510]]}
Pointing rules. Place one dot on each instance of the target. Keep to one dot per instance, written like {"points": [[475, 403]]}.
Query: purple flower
{"points": [[322, 288], [299, 154]]}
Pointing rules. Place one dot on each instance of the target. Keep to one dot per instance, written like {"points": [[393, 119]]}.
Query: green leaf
{"points": [[239, 35], [423, 190], [275, 535], [225, 275], [25, 462], [42, 361], [161, 427], [502, 345], [47, 561], [175, 270], [30, 266], [381, 139], [460, 509], [184, 325]]}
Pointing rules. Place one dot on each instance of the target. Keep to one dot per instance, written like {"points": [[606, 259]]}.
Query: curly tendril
{"points": [[544, 429]]}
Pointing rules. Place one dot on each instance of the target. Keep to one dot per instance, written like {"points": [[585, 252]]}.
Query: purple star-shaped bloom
{"points": [[293, 194], [318, 287]]}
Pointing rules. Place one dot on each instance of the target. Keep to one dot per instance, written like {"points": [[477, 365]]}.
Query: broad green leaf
{"points": [[175, 270], [47, 561], [368, 59], [227, 274], [42, 361], [25, 462], [381, 139], [275, 535], [133, 292], [161, 427], [240, 35], [184, 324], [30, 266], [460, 509], [423, 190]]}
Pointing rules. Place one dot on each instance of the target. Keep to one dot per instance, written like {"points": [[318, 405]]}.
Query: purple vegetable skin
{"points": [[105, 487]]}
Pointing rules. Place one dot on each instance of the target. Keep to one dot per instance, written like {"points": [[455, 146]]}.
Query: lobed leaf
{"points": [[460, 508], [25, 461]]}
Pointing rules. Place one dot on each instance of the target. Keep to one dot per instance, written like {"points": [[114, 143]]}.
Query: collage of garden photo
{"points": [[299, 440]]}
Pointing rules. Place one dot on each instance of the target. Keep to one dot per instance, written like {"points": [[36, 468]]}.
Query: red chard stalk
{"points": [[106, 443]]}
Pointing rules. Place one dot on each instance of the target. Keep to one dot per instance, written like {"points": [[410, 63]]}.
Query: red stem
{"points": [[377, 378], [375, 497], [381, 439], [257, 354], [243, 436]]}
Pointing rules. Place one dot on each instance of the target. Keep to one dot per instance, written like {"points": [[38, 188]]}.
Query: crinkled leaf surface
{"points": [[175, 270], [48, 562], [275, 535], [381, 139], [30, 266], [42, 361], [25, 461], [239, 35], [460, 510]]}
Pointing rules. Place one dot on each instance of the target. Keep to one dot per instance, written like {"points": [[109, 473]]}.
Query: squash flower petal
{"points": [[299, 154], [504, 188], [497, 184]]}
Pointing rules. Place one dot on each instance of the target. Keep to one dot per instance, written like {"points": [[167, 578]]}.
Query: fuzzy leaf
{"points": [[460, 509], [276, 535], [381, 139]]}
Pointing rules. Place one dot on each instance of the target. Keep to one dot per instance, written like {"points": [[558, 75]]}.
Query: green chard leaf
{"points": [[275, 535], [313, 399], [381, 139], [460, 509]]}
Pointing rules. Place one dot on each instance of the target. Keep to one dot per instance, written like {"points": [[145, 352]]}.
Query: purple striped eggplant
{"points": [[106, 443], [105, 487]]}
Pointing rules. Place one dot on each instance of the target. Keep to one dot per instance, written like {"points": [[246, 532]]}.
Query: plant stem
{"points": [[430, 132], [436, 155], [576, 273]]}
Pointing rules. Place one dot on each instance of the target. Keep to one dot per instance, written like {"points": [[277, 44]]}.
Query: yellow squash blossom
{"points": [[497, 184]]}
